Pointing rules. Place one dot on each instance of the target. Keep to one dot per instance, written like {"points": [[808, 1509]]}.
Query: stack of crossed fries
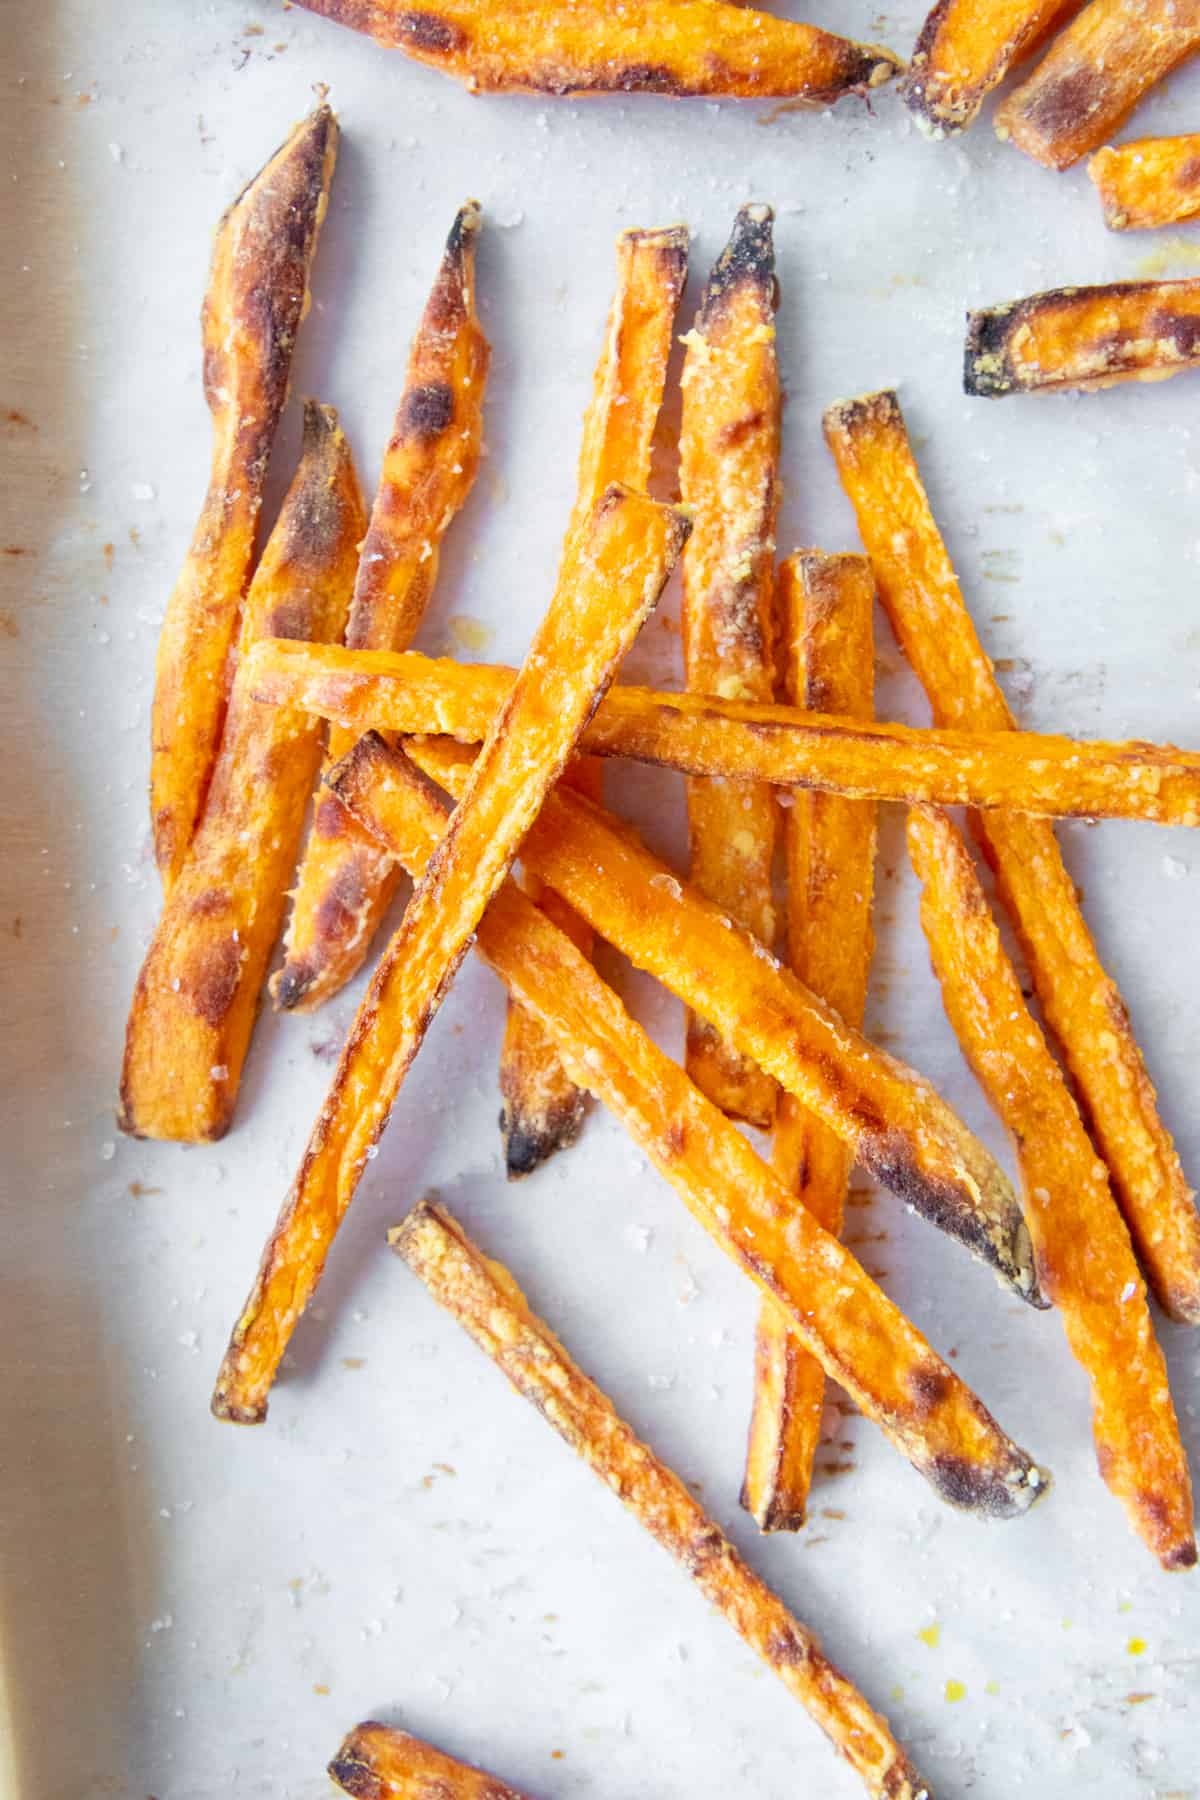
{"points": [[286, 678]]}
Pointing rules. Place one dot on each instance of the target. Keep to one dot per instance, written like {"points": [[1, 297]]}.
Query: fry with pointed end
{"points": [[542, 1107], [1086, 337], [257, 296], [1151, 181], [828, 655], [966, 48], [377, 1762], [1094, 74], [675, 47], [1081, 1003], [729, 477], [609, 580], [345, 885], [1019, 771], [1084, 1257], [197, 995]]}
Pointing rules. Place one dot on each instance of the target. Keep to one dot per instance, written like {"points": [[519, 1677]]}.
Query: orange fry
{"points": [[257, 294], [1151, 181], [1086, 337], [344, 885], [729, 478], [197, 994], [485, 1300], [1081, 1004], [377, 1762], [1084, 1257], [826, 605], [966, 48], [609, 580]]}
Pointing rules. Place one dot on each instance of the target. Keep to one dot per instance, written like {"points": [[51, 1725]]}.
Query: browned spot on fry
{"points": [[331, 820], [426, 31], [212, 901], [426, 411], [930, 1387], [15, 550], [214, 989], [789, 1648], [1062, 106], [647, 78], [341, 901], [16, 418], [357, 1779], [290, 619]]}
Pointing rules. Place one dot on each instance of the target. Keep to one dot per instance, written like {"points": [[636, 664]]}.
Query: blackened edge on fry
{"points": [[749, 257], [529, 1141], [987, 368]]}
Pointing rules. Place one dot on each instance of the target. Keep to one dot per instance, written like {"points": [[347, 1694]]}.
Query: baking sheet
{"points": [[191, 1611]]}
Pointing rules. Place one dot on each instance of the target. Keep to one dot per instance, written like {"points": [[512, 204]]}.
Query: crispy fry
{"points": [[826, 605], [1086, 337], [1151, 181], [609, 580], [676, 47], [197, 994], [1022, 771], [966, 48], [377, 1762], [1085, 1260], [257, 294], [542, 1108], [1081, 1004], [729, 477], [1094, 74], [345, 885]]}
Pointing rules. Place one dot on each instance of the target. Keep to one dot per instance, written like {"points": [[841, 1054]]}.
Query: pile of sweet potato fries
{"points": [[275, 666]]}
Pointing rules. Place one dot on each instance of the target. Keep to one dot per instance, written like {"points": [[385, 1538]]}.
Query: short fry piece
{"points": [[1094, 74], [345, 885], [676, 47], [1151, 181], [1081, 1003], [197, 994], [1085, 1260], [1021, 771], [257, 294], [609, 580], [826, 605], [729, 477], [377, 1762], [966, 48], [1086, 337]]}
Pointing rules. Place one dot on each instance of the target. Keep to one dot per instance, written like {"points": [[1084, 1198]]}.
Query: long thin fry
{"points": [[609, 580], [1085, 1260], [1148, 182], [542, 1108], [966, 48], [1019, 771], [377, 1762], [1085, 337], [344, 885], [729, 477], [197, 994], [257, 294], [1080, 1002], [826, 605], [676, 47]]}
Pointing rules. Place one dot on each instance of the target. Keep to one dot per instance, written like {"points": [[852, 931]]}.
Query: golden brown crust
{"points": [[966, 48], [257, 294], [1151, 181], [378, 1762], [1088, 337]]}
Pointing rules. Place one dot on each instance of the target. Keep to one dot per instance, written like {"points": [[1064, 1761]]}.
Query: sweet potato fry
{"points": [[1086, 337], [675, 47], [345, 885], [1085, 1260], [609, 580], [1151, 181], [542, 1108], [1021, 771], [826, 605], [1081, 1004], [966, 48], [1094, 74], [377, 1762], [729, 477], [197, 994], [257, 294]]}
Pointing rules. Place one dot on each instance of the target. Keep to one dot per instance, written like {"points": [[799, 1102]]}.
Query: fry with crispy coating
{"points": [[256, 298], [378, 1762], [966, 48], [1151, 181], [197, 994], [729, 477], [1094, 74], [345, 885], [1021, 771], [609, 580], [1085, 337], [1084, 1257], [542, 1108], [1081, 1003], [675, 47], [826, 605]]}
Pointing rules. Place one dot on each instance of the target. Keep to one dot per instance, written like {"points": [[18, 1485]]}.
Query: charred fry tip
{"points": [[530, 1140], [673, 239], [964, 1485], [231, 1412], [355, 1778], [987, 367], [289, 985], [749, 257], [775, 1515], [845, 416], [316, 135]]}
